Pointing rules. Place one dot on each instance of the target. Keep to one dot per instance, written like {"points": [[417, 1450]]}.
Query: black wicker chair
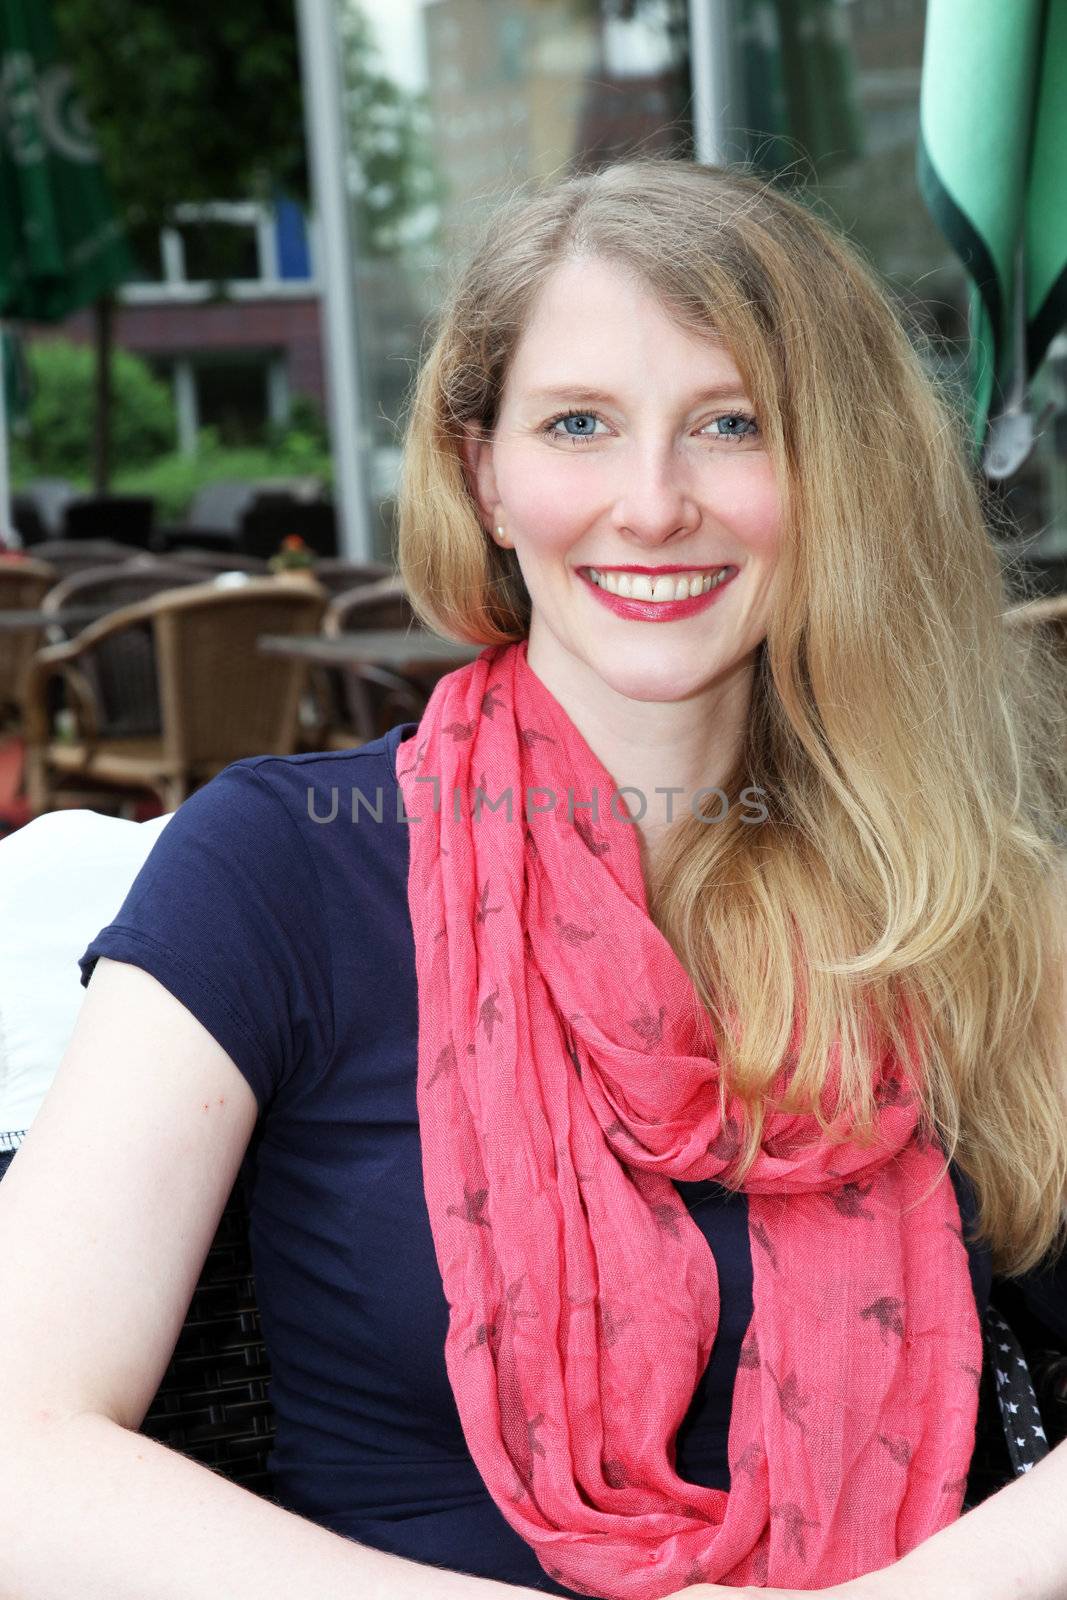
{"points": [[214, 1401]]}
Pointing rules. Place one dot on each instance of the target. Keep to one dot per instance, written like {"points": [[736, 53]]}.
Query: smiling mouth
{"points": [[685, 585]]}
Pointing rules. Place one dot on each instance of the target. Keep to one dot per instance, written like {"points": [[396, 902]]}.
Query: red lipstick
{"points": [[656, 610]]}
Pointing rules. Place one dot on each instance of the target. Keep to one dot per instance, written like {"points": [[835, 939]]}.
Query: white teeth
{"points": [[675, 586]]}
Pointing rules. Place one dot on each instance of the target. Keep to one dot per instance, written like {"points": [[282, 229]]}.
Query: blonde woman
{"points": [[643, 1062]]}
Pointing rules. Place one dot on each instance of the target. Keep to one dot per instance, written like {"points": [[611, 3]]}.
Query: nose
{"points": [[655, 504]]}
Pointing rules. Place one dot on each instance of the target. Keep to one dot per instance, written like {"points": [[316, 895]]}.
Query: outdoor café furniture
{"points": [[121, 671], [379, 678], [23, 585], [127, 518], [411, 652], [117, 584], [338, 576], [219, 698], [27, 620], [350, 704], [218, 561], [213, 1403], [381, 604], [72, 555]]}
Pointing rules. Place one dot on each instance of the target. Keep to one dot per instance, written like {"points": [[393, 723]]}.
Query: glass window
{"points": [[232, 397], [453, 102], [830, 91], [146, 250], [217, 251]]}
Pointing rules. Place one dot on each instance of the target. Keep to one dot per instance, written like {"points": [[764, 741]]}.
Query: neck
{"points": [[661, 752]]}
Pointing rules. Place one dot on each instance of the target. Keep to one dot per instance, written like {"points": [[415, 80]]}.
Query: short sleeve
{"points": [[227, 913]]}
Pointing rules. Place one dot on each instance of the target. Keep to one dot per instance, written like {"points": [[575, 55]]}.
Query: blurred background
{"points": [[224, 233]]}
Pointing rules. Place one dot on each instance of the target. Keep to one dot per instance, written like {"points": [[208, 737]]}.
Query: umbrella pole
{"points": [[6, 524]]}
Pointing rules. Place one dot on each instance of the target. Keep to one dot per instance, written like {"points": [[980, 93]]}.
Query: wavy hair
{"points": [[906, 891]]}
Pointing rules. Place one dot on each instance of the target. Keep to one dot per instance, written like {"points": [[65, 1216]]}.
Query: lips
{"points": [[656, 610]]}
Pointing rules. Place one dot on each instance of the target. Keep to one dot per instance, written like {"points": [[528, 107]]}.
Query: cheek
{"points": [[749, 504], [556, 505]]}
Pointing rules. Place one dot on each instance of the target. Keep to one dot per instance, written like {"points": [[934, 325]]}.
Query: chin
{"points": [[659, 685]]}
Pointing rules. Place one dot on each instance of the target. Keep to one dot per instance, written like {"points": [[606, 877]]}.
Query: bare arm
{"points": [[106, 1215], [1011, 1547]]}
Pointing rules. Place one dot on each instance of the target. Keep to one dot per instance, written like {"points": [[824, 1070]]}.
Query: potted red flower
{"points": [[293, 558]]}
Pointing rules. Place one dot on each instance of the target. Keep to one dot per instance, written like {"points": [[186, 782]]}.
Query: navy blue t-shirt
{"points": [[274, 907]]}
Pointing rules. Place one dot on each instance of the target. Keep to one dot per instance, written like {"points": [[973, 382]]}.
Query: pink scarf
{"points": [[565, 1076]]}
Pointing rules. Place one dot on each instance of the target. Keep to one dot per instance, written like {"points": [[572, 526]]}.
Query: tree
{"points": [[188, 104]]}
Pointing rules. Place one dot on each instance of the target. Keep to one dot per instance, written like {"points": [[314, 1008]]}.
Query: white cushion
{"points": [[63, 877]]}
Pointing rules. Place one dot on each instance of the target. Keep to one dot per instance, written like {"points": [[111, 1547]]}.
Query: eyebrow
{"points": [[719, 391]]}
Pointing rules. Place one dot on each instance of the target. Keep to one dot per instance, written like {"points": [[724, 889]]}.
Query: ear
{"points": [[477, 453]]}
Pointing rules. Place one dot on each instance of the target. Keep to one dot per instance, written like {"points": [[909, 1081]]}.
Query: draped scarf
{"points": [[566, 1075]]}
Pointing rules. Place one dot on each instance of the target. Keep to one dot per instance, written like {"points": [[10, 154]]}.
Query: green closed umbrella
{"points": [[992, 167], [61, 244]]}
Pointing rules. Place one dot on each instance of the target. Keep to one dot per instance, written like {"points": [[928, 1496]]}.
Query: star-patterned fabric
{"points": [[1023, 1428], [567, 1073]]}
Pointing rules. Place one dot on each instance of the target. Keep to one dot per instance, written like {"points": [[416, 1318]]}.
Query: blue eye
{"points": [[740, 425], [748, 425], [574, 416]]}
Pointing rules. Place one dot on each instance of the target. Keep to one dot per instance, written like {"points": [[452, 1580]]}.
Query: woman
{"points": [[606, 1032]]}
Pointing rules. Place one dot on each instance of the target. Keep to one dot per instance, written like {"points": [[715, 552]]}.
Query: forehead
{"points": [[595, 323]]}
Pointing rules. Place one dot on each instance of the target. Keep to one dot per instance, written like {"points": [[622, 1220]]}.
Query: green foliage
{"points": [[58, 440], [189, 103], [174, 478]]}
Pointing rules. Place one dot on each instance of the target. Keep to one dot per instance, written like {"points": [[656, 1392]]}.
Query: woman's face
{"points": [[660, 468]]}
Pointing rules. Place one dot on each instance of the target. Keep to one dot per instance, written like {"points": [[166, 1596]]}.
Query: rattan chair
{"points": [[75, 555], [213, 1402], [382, 604], [355, 704], [118, 583], [220, 698], [23, 586], [121, 671], [340, 577]]}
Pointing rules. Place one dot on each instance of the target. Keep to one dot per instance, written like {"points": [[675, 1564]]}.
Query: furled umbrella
{"points": [[61, 243], [992, 168]]}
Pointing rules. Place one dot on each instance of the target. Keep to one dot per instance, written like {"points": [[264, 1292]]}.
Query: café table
{"points": [[409, 652], [406, 661], [24, 619]]}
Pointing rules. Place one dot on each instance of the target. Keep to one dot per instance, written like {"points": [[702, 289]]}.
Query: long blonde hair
{"points": [[910, 746]]}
